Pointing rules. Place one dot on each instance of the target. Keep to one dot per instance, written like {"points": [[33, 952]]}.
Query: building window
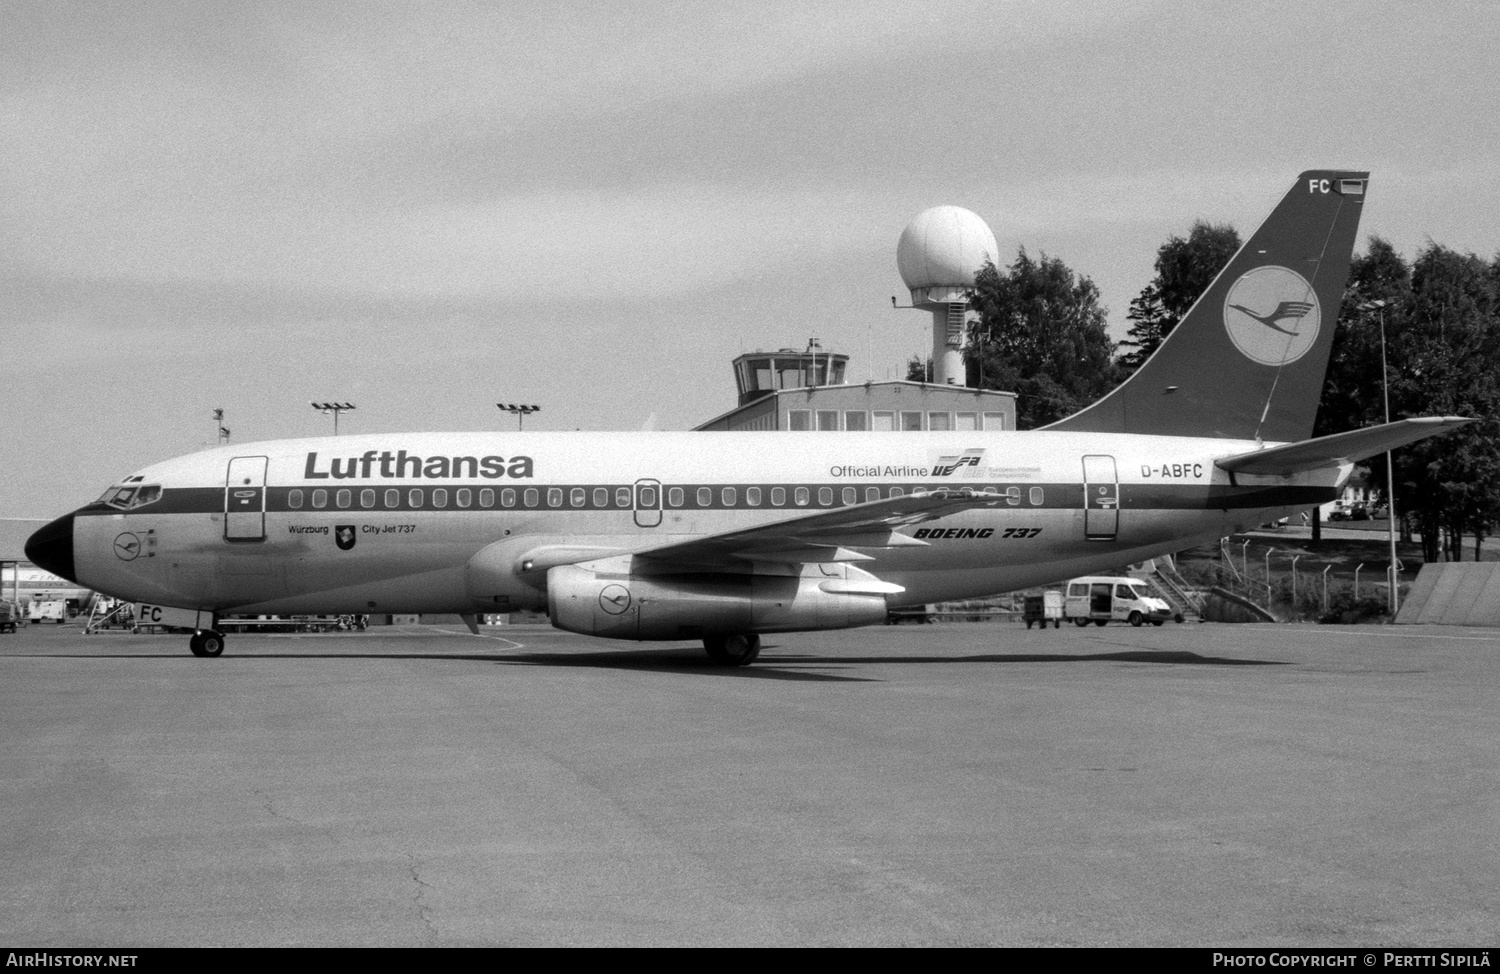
{"points": [[940, 422], [994, 421], [911, 422], [966, 422], [799, 419], [882, 422], [828, 420], [856, 421]]}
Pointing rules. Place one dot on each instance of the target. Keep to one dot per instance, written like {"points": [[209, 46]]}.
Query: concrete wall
{"points": [[1454, 594]]}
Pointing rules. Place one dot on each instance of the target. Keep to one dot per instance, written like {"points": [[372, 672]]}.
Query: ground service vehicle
{"points": [[1114, 598], [1042, 609]]}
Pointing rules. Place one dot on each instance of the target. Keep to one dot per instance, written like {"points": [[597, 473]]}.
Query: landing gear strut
{"points": [[207, 642], [739, 649]]}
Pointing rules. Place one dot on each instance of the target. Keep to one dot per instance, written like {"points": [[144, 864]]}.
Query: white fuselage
{"points": [[435, 522]]}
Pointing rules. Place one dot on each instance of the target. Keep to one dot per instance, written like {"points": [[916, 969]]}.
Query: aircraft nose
{"points": [[51, 547]]}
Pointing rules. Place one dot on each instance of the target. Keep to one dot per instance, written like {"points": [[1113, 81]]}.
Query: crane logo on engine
{"points": [[614, 599]]}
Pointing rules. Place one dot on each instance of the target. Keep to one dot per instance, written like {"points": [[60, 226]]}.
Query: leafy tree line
{"points": [[1040, 332]]}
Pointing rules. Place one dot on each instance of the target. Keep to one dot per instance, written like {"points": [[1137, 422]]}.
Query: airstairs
{"points": [[1161, 574]]}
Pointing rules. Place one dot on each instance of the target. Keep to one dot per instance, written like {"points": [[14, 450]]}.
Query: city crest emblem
{"points": [[344, 536]]}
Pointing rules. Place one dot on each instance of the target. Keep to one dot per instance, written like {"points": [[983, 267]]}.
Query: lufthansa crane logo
{"points": [[127, 547], [615, 599], [1272, 315]]}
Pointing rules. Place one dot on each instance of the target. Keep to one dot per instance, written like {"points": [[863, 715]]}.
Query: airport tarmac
{"points": [[1206, 785]]}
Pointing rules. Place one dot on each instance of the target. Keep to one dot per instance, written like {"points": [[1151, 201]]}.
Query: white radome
{"points": [[944, 246]]}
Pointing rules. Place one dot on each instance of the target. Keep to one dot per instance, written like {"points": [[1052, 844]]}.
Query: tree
{"points": [[1442, 325], [1184, 270], [1041, 333], [919, 369]]}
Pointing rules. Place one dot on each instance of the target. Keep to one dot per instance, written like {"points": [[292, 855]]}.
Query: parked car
{"points": [[1360, 513], [10, 615]]}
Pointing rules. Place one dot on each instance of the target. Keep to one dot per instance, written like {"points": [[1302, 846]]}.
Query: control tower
{"points": [[939, 253]]}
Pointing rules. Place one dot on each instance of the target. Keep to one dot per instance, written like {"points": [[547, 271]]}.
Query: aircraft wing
{"points": [[827, 536], [1340, 448]]}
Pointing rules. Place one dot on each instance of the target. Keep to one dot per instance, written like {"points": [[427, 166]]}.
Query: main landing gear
{"points": [[207, 642], [738, 649]]}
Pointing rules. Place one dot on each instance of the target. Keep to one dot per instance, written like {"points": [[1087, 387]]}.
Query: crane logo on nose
{"points": [[127, 547]]}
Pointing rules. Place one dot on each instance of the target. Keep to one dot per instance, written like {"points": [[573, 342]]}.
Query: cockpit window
{"points": [[129, 496]]}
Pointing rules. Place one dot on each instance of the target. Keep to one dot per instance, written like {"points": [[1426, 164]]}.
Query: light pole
{"points": [[1379, 304], [519, 412], [222, 430], [335, 408]]}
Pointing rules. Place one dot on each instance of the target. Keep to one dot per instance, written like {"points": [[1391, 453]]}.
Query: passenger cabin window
{"points": [[487, 497], [415, 498], [752, 496], [705, 497], [440, 497], [392, 498], [674, 497], [577, 497], [778, 496], [320, 498], [294, 498], [1036, 497], [531, 497], [508, 497], [343, 497], [463, 497], [367, 498]]}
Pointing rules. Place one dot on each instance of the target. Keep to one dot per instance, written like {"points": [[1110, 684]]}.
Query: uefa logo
{"points": [[1272, 315]]}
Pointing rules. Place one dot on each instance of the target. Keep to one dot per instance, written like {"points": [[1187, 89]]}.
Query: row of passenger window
{"points": [[621, 498]]}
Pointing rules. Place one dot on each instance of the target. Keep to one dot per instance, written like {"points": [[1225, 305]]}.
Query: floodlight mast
{"points": [[1379, 304], [335, 408], [519, 411]]}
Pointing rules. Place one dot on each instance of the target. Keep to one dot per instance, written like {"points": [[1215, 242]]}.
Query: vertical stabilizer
{"points": [[1248, 359]]}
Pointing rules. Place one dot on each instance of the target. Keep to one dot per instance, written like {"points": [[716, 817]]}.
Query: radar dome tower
{"points": [[941, 250]]}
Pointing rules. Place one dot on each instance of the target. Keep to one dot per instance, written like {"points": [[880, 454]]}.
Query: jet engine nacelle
{"points": [[618, 604]]}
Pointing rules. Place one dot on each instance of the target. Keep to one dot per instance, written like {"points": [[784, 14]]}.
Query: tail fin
{"points": [[1249, 358]]}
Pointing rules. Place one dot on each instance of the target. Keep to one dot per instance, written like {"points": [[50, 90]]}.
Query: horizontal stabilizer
{"points": [[1340, 448]]}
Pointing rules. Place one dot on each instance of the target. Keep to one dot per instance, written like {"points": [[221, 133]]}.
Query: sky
{"points": [[429, 208]]}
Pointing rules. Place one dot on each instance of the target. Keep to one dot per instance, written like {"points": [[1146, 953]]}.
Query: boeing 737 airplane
{"points": [[725, 536]]}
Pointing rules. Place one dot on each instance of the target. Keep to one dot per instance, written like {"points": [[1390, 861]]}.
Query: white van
{"points": [[1106, 598]]}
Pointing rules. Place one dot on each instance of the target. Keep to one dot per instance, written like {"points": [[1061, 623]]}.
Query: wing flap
{"points": [[1340, 448]]}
